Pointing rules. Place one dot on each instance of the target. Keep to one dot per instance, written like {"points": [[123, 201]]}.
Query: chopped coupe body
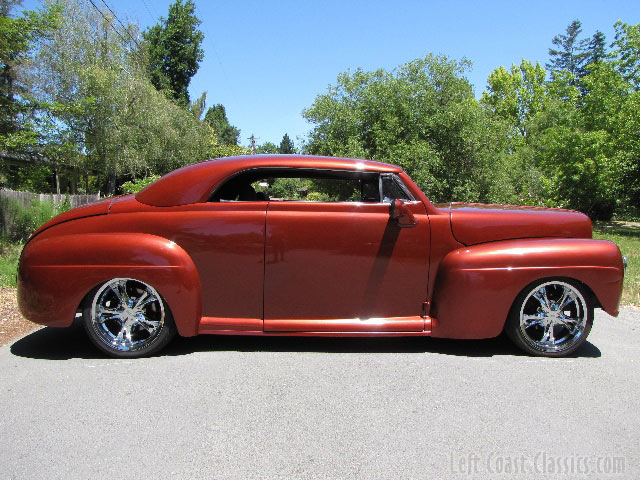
{"points": [[296, 245]]}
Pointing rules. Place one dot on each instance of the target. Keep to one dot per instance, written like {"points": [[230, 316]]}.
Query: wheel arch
{"points": [[591, 297], [476, 286]]}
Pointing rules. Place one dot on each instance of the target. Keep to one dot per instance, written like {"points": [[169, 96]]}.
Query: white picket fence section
{"points": [[27, 197]]}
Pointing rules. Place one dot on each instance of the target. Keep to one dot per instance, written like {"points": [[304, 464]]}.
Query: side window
{"points": [[392, 189], [300, 185]]}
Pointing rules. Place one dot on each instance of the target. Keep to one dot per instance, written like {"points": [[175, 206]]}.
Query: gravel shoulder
{"points": [[12, 324]]}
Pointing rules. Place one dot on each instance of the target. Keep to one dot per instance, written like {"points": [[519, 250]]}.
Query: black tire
{"points": [[118, 327], [561, 330]]}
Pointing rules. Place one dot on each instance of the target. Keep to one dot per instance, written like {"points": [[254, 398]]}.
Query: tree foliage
{"points": [[80, 94], [516, 95], [18, 36], [580, 135], [594, 52], [286, 145], [216, 118], [422, 116], [568, 53], [567, 139], [102, 98], [627, 52], [175, 50], [267, 147], [134, 186]]}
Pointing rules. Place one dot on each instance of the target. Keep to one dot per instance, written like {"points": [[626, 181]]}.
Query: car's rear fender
{"points": [[57, 272], [476, 286]]}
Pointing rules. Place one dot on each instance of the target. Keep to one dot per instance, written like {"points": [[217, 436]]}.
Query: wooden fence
{"points": [[26, 198]]}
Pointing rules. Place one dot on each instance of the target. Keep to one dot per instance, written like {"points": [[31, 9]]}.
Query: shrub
{"points": [[19, 222], [134, 186], [9, 258]]}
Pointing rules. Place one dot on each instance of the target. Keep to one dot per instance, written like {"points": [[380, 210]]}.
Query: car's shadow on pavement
{"points": [[66, 343]]}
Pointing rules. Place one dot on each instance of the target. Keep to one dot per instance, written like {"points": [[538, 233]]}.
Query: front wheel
{"points": [[127, 318], [550, 318]]}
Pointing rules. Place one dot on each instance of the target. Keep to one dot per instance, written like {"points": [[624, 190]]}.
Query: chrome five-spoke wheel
{"points": [[128, 318], [551, 318]]}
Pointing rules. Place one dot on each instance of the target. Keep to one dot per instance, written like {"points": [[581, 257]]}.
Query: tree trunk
{"points": [[111, 184]]}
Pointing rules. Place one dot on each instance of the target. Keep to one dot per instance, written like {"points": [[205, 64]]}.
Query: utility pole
{"points": [[253, 143]]}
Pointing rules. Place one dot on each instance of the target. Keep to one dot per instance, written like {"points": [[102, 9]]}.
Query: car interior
{"points": [[300, 185]]}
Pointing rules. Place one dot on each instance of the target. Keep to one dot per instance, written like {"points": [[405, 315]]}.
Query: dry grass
{"points": [[12, 323]]}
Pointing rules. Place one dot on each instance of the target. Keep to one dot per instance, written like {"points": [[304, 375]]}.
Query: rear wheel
{"points": [[128, 318], [551, 318]]}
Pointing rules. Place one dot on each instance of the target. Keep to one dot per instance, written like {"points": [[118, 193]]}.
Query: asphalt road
{"points": [[225, 407]]}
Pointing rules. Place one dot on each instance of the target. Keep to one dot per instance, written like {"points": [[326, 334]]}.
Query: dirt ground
{"points": [[12, 324]]}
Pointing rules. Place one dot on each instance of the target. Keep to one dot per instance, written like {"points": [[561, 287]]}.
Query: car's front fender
{"points": [[476, 286], [57, 272]]}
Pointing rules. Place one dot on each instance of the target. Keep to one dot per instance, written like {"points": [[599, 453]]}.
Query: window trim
{"points": [[399, 183]]}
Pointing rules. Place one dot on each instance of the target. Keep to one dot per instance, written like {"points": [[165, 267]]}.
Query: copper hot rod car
{"points": [[295, 245]]}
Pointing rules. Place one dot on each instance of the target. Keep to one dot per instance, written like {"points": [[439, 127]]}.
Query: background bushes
{"points": [[19, 222]]}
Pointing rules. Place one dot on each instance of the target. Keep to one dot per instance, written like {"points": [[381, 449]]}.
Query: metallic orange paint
{"points": [[475, 223], [476, 285], [195, 183], [307, 268], [341, 261], [57, 271]]}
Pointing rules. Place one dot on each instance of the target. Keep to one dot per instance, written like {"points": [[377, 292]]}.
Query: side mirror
{"points": [[399, 212]]}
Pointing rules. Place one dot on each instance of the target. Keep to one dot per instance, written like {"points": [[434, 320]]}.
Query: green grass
{"points": [[9, 256], [627, 236]]}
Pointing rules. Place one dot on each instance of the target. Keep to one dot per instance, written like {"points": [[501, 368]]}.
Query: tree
{"points": [[422, 116], [516, 95], [569, 54], [626, 62], [627, 52], [267, 147], [286, 145], [100, 94], [197, 107], [18, 36], [595, 52], [576, 140], [609, 112], [226, 133], [174, 50], [512, 101]]}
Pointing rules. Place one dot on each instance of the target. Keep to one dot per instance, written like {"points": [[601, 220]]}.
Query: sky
{"points": [[266, 61]]}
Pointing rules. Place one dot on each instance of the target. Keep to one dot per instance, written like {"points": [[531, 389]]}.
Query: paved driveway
{"points": [[224, 407]]}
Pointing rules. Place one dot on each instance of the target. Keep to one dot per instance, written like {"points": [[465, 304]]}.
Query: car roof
{"points": [[195, 183]]}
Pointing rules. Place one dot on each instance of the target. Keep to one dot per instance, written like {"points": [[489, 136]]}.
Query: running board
{"points": [[390, 326]]}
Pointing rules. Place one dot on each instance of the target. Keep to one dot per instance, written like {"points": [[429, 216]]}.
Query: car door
{"points": [[344, 267], [226, 243]]}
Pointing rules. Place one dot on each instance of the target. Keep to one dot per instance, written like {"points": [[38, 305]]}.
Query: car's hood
{"points": [[473, 223], [101, 207]]}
